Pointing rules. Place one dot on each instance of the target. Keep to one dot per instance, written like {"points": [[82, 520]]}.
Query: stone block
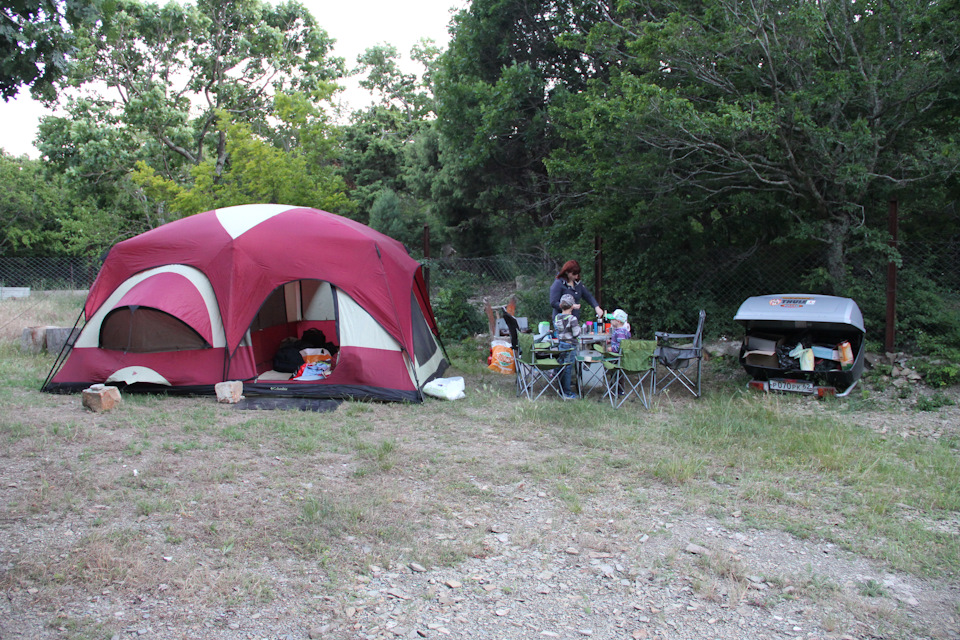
{"points": [[14, 292], [526, 282], [99, 398], [33, 339], [723, 349], [56, 337], [230, 392]]}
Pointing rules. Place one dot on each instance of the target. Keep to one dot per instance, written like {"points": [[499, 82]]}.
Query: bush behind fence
{"points": [[928, 289]]}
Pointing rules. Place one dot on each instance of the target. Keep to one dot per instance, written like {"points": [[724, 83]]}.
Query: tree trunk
{"points": [[837, 231]]}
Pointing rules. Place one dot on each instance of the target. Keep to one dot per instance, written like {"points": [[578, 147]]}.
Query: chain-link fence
{"points": [[45, 273], [928, 283], [764, 271], [928, 286], [938, 260]]}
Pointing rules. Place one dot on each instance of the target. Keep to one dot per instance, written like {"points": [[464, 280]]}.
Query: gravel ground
{"points": [[546, 574], [662, 568]]}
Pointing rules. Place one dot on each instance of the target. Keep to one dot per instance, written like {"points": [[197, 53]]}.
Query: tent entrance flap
{"points": [[288, 311]]}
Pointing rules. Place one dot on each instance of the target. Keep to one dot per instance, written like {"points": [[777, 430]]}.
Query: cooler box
{"points": [[778, 325], [591, 373]]}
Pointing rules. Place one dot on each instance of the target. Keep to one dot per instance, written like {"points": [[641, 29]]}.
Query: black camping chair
{"points": [[675, 353], [513, 328]]}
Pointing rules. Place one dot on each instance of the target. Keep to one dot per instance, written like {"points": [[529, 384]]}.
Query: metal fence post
{"points": [[426, 255], [889, 341], [598, 270]]}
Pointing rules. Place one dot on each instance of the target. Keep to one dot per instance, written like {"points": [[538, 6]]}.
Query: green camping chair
{"points": [[536, 365], [538, 369], [544, 369], [633, 372]]}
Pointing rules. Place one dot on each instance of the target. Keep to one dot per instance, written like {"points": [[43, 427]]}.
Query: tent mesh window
{"points": [[423, 343], [144, 330]]}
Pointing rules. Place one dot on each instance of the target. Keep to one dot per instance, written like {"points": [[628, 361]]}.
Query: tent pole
{"points": [[64, 350]]}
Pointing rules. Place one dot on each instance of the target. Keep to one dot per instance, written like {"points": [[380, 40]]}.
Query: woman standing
{"points": [[568, 282]]}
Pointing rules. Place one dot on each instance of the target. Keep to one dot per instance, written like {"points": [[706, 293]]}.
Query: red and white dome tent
{"points": [[209, 298]]}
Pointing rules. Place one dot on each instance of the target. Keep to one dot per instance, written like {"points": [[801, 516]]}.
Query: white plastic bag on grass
{"points": [[445, 388]]}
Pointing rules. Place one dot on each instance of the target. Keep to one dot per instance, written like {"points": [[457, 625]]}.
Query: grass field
{"points": [[105, 502]]}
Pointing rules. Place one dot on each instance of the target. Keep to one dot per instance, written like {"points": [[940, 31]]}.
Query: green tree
{"points": [[164, 61], [37, 39], [257, 171], [494, 87], [164, 85], [40, 215], [31, 208], [813, 112], [373, 152], [399, 217], [376, 140]]}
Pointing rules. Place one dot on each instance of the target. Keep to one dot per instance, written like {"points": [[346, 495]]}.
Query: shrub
{"points": [[456, 317], [939, 372], [933, 402]]}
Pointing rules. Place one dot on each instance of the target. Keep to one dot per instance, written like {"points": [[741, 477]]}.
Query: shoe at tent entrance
{"points": [[211, 297]]}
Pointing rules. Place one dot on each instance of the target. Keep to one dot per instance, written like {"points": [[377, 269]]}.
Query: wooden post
{"points": [[889, 339]]}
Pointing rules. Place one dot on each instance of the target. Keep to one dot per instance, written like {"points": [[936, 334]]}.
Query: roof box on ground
{"points": [[779, 328]]}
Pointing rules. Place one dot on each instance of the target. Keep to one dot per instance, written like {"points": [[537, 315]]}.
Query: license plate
{"points": [[795, 386]]}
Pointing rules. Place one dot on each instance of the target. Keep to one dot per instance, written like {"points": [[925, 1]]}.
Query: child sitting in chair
{"points": [[619, 330]]}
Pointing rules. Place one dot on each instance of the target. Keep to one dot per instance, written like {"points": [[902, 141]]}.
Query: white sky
{"points": [[355, 26]]}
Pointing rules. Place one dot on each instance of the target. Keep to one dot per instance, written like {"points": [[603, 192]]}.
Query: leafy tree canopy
{"points": [[31, 207], [504, 68], [804, 115], [37, 39], [171, 69], [375, 142], [164, 87], [257, 171]]}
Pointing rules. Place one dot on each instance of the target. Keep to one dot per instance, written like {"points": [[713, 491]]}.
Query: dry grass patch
{"points": [[59, 309]]}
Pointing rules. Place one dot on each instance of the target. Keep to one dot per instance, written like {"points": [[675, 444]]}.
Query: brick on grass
{"points": [[99, 398], [230, 392]]}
